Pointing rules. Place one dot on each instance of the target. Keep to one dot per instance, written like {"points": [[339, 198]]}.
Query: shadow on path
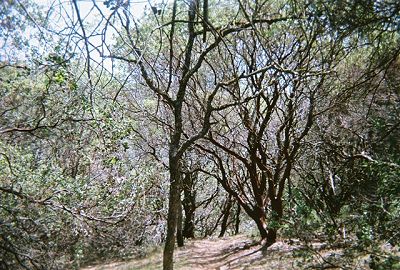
{"points": [[237, 252]]}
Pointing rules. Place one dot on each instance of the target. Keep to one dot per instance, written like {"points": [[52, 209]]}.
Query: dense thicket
{"points": [[120, 131]]}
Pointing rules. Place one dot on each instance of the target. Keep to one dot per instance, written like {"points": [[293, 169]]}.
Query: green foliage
{"points": [[364, 16], [84, 150], [389, 262]]}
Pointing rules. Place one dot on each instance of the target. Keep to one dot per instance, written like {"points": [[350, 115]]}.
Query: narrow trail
{"points": [[237, 252]]}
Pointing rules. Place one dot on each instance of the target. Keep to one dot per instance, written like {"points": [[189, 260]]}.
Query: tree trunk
{"points": [[226, 212], [237, 219], [262, 228], [259, 216], [271, 237], [173, 208], [277, 212], [188, 228], [189, 204], [179, 233]]}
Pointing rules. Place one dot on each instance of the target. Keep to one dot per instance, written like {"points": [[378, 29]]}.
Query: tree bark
{"points": [[262, 228], [277, 212], [237, 219], [179, 233], [188, 228], [225, 218], [189, 205], [173, 208]]}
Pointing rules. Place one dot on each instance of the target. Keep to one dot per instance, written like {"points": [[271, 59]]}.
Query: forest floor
{"points": [[241, 252]]}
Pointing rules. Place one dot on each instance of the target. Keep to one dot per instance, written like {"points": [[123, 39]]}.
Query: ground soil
{"points": [[238, 252]]}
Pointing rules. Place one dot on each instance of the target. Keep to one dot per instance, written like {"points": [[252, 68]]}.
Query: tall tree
{"points": [[289, 65], [181, 60]]}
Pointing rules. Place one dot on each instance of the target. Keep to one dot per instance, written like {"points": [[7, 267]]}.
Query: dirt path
{"points": [[238, 252]]}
